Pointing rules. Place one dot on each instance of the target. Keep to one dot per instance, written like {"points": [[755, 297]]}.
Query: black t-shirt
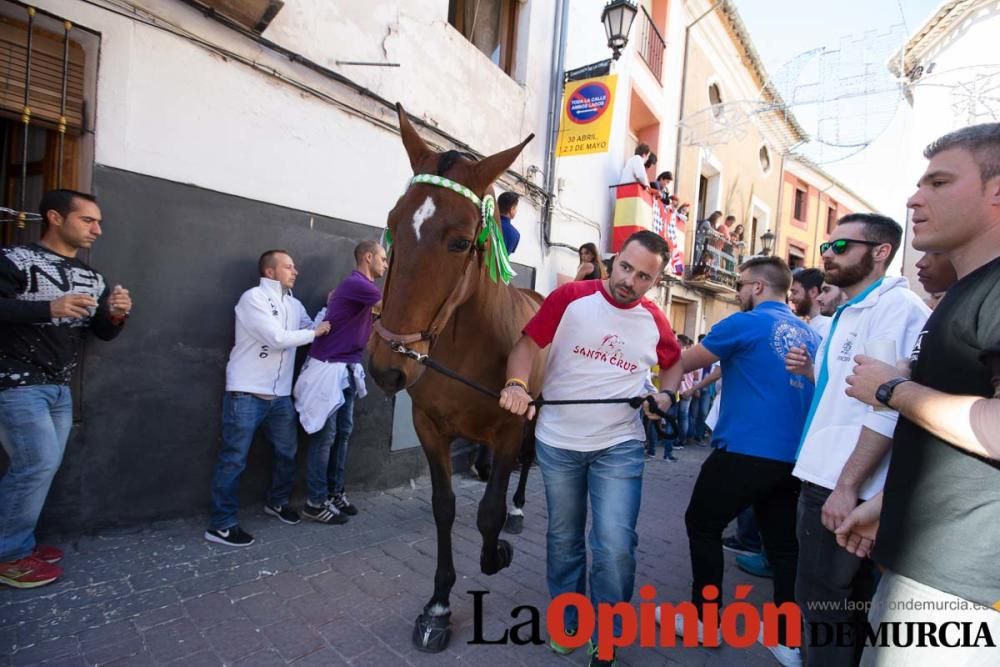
{"points": [[34, 348], [940, 520]]}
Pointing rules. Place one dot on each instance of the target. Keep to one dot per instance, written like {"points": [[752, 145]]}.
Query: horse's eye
{"points": [[459, 245]]}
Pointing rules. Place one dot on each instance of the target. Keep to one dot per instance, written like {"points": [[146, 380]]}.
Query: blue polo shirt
{"points": [[764, 407]]}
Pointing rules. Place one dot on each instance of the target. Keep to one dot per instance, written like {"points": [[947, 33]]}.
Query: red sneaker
{"points": [[48, 554], [29, 572]]}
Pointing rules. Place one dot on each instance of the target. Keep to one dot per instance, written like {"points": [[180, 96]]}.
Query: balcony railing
{"points": [[715, 257], [651, 44]]}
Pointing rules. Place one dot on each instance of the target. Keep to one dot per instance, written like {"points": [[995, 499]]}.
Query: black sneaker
{"points": [[325, 514], [233, 537], [340, 501], [285, 514], [731, 543]]}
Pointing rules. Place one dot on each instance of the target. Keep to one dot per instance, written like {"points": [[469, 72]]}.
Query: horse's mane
{"points": [[447, 160]]}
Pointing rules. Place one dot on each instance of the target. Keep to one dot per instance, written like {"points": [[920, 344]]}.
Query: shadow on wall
{"points": [[144, 444]]}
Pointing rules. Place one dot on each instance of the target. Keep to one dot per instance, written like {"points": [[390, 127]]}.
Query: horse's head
{"points": [[436, 262]]}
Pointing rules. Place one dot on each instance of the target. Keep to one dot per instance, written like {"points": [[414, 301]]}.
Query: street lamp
{"points": [[617, 18], [767, 242]]}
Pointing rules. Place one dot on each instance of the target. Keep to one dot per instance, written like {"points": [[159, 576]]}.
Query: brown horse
{"points": [[440, 300]]}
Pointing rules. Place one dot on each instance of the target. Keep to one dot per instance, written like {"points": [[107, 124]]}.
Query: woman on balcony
{"points": [[739, 246]]}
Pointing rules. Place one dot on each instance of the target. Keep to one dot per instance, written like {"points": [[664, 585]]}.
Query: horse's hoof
{"points": [[431, 633], [515, 524], [501, 558]]}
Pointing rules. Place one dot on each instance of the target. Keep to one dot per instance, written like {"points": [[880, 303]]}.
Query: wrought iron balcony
{"points": [[715, 259], [651, 44]]}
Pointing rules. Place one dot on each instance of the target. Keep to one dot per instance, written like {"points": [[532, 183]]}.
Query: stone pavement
{"points": [[332, 595]]}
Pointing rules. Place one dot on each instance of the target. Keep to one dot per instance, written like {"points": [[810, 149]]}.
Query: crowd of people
{"points": [[857, 434], [857, 437]]}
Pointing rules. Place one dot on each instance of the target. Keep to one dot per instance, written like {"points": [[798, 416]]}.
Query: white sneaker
{"points": [[679, 626], [789, 657]]}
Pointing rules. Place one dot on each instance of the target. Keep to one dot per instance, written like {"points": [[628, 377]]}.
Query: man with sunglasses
{"points": [[844, 452], [763, 410], [937, 534]]}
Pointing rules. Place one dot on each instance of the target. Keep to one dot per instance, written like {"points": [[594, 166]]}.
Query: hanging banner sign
{"points": [[586, 116]]}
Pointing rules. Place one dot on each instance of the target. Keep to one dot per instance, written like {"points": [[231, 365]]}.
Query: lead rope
{"points": [[634, 401]]}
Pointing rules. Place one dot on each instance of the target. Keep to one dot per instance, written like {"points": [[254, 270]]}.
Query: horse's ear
{"points": [[489, 168], [416, 149]]}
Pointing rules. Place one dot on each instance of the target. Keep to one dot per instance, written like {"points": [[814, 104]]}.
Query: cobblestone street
{"points": [[331, 595]]}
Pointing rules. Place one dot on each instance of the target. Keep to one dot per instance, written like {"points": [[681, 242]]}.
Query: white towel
{"points": [[319, 391]]}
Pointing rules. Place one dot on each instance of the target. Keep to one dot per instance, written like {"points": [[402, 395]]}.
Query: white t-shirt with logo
{"points": [[599, 349]]}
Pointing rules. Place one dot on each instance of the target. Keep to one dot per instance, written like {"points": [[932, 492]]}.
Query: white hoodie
{"points": [[270, 324], [888, 310]]}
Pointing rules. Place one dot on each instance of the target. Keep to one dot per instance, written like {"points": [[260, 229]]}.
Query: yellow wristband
{"points": [[518, 382]]}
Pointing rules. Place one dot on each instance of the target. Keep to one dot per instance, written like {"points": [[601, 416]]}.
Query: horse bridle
{"points": [[486, 206]]}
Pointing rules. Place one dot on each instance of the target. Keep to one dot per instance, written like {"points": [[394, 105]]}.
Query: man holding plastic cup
{"points": [[844, 453]]}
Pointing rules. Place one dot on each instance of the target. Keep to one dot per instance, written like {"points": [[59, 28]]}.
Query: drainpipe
{"points": [[684, 72], [781, 198], [819, 209], [555, 106]]}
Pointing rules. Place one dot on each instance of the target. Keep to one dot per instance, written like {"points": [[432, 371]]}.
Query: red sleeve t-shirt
{"points": [[599, 349]]}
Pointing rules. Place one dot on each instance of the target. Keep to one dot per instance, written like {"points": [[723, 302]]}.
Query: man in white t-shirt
{"points": [[634, 170], [804, 297], [603, 338]]}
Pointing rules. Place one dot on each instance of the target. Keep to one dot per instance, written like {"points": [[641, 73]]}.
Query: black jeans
{"points": [[727, 484], [829, 576]]}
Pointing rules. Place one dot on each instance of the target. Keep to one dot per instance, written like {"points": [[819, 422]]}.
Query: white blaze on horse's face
{"points": [[425, 211]]}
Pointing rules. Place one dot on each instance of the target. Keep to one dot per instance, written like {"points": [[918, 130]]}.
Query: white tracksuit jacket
{"points": [[889, 311], [269, 326]]}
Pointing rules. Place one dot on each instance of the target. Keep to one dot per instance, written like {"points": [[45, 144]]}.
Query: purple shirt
{"points": [[349, 313]]}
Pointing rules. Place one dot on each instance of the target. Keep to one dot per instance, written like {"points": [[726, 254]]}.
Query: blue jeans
{"points": [[328, 451], [34, 425], [682, 414], [653, 438], [242, 415], [746, 529], [612, 479], [699, 412]]}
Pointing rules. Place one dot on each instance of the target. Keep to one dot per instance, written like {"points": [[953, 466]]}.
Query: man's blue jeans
{"points": [[612, 479], [242, 415], [328, 451], [34, 425], [682, 415], [700, 408]]}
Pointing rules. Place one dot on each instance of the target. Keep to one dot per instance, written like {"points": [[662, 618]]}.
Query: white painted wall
{"points": [[172, 109], [585, 206]]}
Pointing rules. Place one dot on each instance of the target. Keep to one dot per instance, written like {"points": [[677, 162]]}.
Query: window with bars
{"points": [[42, 115]]}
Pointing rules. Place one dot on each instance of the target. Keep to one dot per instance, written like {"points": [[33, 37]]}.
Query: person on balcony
{"points": [[704, 242], [635, 169], [736, 238], [663, 183], [723, 242]]}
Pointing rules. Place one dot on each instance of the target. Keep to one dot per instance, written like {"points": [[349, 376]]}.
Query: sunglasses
{"points": [[740, 283], [840, 246]]}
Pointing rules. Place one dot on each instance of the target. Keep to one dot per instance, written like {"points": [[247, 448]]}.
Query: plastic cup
{"points": [[883, 349]]}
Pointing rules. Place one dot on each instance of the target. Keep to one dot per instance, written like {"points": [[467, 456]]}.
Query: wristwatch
{"points": [[884, 392], [675, 397]]}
